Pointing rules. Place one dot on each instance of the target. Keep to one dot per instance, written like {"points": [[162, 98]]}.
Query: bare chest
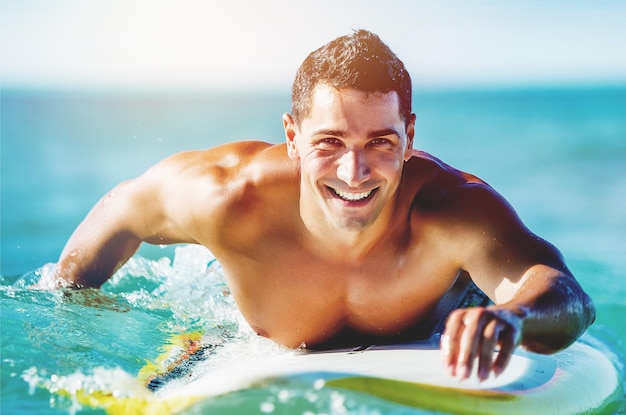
{"points": [[297, 298]]}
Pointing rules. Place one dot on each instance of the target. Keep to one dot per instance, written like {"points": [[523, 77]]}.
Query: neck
{"points": [[345, 244]]}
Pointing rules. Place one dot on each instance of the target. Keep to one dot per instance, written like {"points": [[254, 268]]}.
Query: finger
{"points": [[487, 347], [470, 341], [451, 339], [507, 346]]}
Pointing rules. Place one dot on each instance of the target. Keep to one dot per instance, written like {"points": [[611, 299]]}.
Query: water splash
{"points": [[67, 390], [99, 339]]}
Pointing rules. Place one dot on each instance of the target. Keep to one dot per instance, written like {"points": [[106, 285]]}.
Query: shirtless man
{"points": [[345, 228]]}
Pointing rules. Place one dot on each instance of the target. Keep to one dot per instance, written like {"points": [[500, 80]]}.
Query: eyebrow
{"points": [[371, 134], [383, 132], [336, 133]]}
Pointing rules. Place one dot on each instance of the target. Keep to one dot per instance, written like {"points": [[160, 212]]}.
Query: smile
{"points": [[352, 197]]}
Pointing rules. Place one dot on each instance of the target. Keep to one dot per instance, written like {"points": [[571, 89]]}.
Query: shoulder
{"points": [[460, 205], [217, 160], [218, 190], [225, 166], [439, 186]]}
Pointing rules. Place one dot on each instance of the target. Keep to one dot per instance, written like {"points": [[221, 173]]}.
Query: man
{"points": [[345, 233]]}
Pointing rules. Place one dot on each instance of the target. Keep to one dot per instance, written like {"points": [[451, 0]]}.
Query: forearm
{"points": [[555, 311], [90, 263], [103, 241]]}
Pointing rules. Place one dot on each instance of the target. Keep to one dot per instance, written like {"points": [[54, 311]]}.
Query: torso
{"points": [[290, 290], [294, 296]]}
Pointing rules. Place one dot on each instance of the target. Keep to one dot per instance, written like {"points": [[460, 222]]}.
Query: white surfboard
{"points": [[579, 380]]}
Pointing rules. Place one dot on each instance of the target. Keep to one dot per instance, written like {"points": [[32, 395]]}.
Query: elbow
{"points": [[565, 330], [590, 311], [550, 342]]}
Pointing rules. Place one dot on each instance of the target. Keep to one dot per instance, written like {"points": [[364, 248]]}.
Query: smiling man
{"points": [[368, 239]]}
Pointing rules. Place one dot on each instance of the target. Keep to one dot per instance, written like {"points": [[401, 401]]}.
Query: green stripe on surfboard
{"points": [[423, 396], [461, 401]]}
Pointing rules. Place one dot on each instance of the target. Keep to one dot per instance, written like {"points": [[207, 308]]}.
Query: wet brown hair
{"points": [[360, 61]]}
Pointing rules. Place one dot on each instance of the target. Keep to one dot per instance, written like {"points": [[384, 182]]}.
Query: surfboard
{"points": [[578, 380]]}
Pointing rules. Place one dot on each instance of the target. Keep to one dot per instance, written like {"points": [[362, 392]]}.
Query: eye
{"points": [[328, 143], [381, 141]]}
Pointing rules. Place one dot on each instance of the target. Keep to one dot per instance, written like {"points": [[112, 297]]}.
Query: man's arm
{"points": [[185, 198], [135, 211], [101, 243], [538, 303]]}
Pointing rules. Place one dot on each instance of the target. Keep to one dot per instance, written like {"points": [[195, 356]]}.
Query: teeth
{"points": [[352, 197]]}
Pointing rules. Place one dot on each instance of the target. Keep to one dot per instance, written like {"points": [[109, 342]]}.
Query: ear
{"points": [[290, 134], [410, 134]]}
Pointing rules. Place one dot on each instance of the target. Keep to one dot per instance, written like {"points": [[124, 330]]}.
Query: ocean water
{"points": [[558, 155]]}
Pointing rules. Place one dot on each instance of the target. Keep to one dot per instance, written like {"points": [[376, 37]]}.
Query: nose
{"points": [[353, 168]]}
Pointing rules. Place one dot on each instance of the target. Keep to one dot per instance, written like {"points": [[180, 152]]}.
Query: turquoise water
{"points": [[559, 156]]}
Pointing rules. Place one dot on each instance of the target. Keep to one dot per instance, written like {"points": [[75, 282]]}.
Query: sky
{"points": [[247, 44]]}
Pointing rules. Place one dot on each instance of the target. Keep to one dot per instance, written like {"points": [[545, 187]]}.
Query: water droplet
{"points": [[267, 407]]}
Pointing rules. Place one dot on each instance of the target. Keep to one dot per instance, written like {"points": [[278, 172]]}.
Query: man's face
{"points": [[351, 148]]}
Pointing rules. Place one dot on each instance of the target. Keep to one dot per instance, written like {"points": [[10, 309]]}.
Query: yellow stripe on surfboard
{"points": [[178, 348], [123, 406]]}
